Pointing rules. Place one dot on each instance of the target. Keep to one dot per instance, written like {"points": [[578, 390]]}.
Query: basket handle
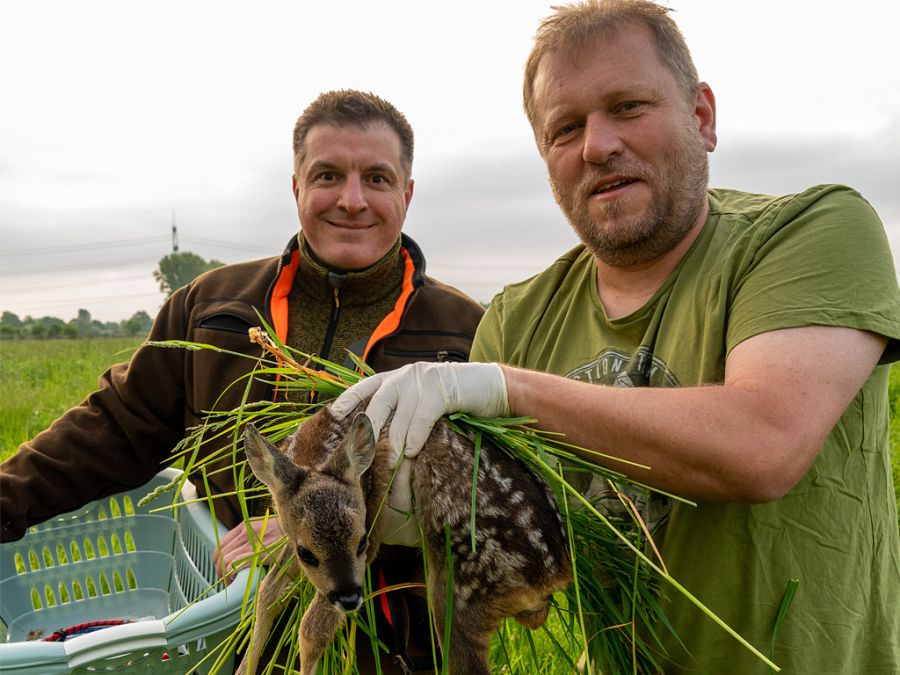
{"points": [[221, 611], [115, 641]]}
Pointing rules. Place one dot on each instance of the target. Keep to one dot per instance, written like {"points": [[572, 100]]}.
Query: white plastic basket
{"points": [[114, 560]]}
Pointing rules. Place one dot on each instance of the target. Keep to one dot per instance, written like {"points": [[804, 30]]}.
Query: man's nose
{"points": [[352, 198], [601, 140]]}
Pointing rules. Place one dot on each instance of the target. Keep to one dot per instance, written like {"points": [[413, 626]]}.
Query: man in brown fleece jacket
{"points": [[348, 281]]}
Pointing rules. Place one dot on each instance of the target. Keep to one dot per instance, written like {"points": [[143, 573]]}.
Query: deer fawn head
{"points": [[322, 507]]}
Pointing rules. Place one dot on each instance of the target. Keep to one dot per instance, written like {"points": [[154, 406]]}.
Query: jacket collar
{"points": [[289, 262], [406, 242], [361, 287]]}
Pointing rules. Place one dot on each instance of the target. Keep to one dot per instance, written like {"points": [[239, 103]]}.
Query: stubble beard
{"points": [[622, 240]]}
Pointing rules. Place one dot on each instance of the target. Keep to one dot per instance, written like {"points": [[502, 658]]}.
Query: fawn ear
{"points": [[270, 465], [355, 455]]}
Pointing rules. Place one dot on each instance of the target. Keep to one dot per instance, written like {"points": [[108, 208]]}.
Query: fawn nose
{"points": [[348, 599]]}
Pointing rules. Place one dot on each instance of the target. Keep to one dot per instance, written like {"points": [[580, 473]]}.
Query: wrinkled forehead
{"points": [[626, 64], [625, 42]]}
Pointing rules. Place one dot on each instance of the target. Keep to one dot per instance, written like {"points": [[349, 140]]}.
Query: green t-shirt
{"points": [[760, 264]]}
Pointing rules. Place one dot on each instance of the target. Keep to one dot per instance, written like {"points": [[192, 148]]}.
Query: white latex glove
{"points": [[398, 523], [419, 394]]}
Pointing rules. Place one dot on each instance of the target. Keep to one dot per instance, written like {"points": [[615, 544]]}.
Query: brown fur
{"points": [[330, 467]]}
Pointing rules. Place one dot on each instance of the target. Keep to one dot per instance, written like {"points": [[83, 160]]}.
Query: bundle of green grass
{"points": [[609, 620]]}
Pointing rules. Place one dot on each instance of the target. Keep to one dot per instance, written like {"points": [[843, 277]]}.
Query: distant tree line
{"points": [[174, 271], [83, 326]]}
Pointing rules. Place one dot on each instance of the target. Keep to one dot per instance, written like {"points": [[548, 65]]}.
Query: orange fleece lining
{"points": [[390, 323], [280, 293]]}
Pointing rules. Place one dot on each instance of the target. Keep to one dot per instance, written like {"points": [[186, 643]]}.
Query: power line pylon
{"points": [[174, 234]]}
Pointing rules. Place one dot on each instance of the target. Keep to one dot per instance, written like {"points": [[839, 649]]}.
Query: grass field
{"points": [[40, 379]]}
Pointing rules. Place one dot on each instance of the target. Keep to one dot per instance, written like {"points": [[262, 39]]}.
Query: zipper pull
{"points": [[337, 280]]}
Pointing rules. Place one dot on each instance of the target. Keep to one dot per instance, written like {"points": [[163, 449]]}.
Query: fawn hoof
{"points": [[348, 600]]}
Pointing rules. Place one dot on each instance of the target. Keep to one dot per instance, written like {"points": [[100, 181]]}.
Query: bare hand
{"points": [[236, 548]]}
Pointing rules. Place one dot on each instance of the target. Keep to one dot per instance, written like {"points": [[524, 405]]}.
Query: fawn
{"points": [[327, 486]]}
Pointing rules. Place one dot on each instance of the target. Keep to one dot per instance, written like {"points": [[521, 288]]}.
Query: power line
{"points": [[50, 269], [81, 302], [79, 247], [174, 234], [228, 244], [130, 278], [240, 246]]}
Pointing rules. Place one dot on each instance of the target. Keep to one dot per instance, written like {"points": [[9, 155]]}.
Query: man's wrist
{"points": [[514, 388]]}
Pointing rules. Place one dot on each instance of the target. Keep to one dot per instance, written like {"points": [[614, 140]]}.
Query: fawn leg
{"points": [[470, 627], [320, 623], [470, 639], [270, 590]]}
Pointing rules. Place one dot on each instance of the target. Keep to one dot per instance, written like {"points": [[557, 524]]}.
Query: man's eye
{"points": [[378, 179], [629, 106], [306, 556], [363, 545], [565, 130], [326, 176]]}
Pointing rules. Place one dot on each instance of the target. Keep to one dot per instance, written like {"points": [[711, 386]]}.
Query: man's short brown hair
{"points": [[573, 27], [349, 107]]}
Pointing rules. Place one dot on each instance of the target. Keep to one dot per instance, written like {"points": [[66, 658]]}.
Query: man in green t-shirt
{"points": [[735, 343]]}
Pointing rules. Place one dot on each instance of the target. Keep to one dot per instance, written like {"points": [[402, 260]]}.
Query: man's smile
{"points": [[349, 225], [611, 184]]}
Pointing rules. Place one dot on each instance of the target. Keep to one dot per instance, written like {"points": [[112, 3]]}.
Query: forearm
{"points": [[749, 439], [716, 442]]}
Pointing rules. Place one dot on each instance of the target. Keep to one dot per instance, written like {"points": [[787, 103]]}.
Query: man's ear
{"points": [[356, 453], [269, 464], [295, 187], [705, 112], [408, 193]]}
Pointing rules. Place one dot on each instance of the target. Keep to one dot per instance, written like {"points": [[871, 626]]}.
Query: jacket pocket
{"points": [[224, 321]]}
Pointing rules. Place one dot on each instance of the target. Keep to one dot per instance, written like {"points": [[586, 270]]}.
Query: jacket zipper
{"points": [[332, 323], [329, 334]]}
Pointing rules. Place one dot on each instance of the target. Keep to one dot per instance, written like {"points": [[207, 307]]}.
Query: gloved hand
{"points": [[398, 523], [419, 394]]}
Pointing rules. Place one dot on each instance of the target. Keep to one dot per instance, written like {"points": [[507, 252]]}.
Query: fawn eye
{"points": [[306, 556], [363, 545]]}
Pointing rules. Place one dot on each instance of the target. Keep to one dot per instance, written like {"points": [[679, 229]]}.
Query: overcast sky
{"points": [[117, 115]]}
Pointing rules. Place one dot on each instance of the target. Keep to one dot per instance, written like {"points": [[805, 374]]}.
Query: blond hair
{"points": [[573, 27]]}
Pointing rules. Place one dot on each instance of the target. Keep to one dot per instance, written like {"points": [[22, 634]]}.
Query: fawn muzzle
{"points": [[346, 600]]}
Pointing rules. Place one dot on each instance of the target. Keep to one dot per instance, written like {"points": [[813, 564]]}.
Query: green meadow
{"points": [[40, 379]]}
